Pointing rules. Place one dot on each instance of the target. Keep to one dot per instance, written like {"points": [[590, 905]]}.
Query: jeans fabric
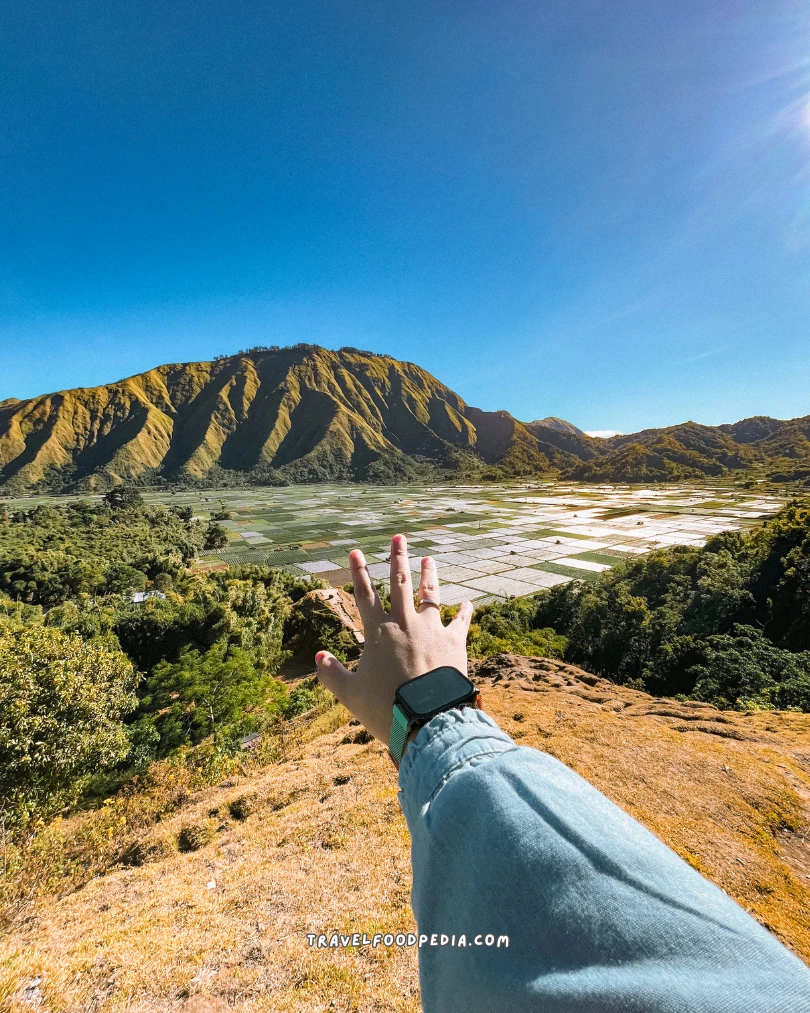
{"points": [[600, 915]]}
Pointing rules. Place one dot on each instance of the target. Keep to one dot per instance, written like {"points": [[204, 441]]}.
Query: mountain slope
{"points": [[306, 413], [321, 846], [780, 448]]}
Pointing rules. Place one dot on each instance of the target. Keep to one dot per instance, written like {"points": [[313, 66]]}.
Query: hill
{"points": [[291, 414], [315, 842], [308, 414], [777, 449]]}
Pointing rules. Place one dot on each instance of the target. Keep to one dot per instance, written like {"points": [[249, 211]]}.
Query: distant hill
{"points": [[554, 423], [777, 449], [308, 414]]}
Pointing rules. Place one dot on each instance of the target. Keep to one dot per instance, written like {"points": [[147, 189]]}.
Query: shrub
{"points": [[62, 701], [507, 628], [194, 836], [206, 694], [242, 807]]}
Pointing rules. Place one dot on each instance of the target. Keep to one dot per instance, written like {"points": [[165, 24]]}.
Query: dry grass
{"points": [[316, 842]]}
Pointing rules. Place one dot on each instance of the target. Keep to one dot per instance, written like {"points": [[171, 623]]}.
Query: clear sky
{"points": [[597, 210]]}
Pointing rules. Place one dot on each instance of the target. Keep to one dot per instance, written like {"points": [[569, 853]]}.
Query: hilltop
{"points": [[309, 414], [316, 842]]}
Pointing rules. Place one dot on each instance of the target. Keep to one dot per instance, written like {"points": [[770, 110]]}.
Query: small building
{"points": [[141, 596]]}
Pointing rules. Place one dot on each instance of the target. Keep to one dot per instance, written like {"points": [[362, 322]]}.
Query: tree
{"points": [[61, 707], [206, 694], [216, 537], [123, 496], [744, 669]]}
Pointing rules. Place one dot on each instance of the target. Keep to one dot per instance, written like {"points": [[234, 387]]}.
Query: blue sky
{"points": [[587, 209]]}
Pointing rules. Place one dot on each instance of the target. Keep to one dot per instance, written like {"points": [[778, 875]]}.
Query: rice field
{"points": [[488, 542]]}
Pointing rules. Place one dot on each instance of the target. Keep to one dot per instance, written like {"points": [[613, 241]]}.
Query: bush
{"points": [[242, 807], [207, 694], [507, 628], [194, 836], [61, 707]]}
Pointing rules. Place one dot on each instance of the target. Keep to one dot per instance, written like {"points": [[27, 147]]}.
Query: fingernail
{"points": [[321, 656]]}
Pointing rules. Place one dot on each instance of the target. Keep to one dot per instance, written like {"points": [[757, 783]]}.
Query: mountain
{"points": [[291, 414], [773, 447], [552, 422], [305, 413]]}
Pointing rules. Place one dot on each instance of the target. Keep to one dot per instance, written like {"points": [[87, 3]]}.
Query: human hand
{"points": [[400, 644]]}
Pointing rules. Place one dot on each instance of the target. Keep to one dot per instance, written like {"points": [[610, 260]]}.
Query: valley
{"points": [[489, 542]]}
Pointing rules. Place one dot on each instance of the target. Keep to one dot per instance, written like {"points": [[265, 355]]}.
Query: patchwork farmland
{"points": [[488, 542]]}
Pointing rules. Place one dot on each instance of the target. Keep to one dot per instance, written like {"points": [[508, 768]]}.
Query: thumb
{"points": [[332, 674]]}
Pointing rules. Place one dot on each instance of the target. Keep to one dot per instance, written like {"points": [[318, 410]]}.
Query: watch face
{"points": [[437, 690]]}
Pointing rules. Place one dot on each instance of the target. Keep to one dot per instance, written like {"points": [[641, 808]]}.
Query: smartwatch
{"points": [[422, 698]]}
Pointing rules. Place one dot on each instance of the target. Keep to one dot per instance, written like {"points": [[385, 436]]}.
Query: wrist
{"points": [[411, 736], [420, 699]]}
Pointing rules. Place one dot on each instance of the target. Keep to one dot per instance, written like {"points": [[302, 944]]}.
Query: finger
{"points": [[401, 585], [429, 586], [460, 622], [365, 593], [332, 674]]}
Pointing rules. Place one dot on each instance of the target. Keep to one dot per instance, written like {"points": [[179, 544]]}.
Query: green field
{"points": [[488, 541]]}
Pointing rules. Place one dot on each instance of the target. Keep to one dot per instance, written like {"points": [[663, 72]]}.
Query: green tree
{"points": [[61, 707], [216, 537], [208, 693], [508, 628], [122, 497], [744, 669]]}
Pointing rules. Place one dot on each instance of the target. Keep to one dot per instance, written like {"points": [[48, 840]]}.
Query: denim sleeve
{"points": [[600, 915]]}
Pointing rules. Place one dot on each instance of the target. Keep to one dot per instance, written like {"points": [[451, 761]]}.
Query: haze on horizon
{"points": [[598, 212]]}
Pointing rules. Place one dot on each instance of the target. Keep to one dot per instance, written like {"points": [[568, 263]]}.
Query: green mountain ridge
{"points": [[306, 413]]}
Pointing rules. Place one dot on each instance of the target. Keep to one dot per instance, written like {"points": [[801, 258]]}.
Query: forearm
{"points": [[600, 915]]}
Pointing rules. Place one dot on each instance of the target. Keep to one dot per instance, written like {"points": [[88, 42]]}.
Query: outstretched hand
{"points": [[400, 644]]}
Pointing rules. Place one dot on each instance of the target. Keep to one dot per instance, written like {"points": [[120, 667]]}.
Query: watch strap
{"points": [[400, 726]]}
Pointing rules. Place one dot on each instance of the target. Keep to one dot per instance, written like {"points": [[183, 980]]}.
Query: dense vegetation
{"points": [[49, 554], [95, 682], [98, 682], [728, 623]]}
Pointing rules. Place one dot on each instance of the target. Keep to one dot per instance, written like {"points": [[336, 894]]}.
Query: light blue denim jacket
{"points": [[600, 915]]}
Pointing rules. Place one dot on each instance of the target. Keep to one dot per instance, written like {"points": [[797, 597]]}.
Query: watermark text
{"points": [[337, 940]]}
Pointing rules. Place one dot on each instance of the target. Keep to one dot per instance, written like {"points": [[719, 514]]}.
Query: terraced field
{"points": [[489, 542]]}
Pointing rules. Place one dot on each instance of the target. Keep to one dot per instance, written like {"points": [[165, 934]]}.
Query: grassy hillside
{"points": [[291, 414], [305, 413], [149, 863], [315, 842]]}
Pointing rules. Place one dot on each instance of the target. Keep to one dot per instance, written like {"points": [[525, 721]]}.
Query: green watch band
{"points": [[399, 733]]}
